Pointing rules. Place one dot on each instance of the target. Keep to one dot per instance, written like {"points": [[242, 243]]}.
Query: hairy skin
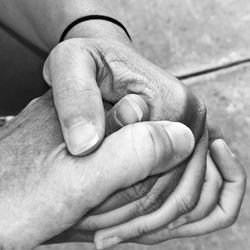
{"points": [[39, 151], [44, 190], [41, 185], [120, 71], [36, 157], [83, 69]]}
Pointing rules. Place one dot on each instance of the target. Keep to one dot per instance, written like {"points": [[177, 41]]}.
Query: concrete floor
{"points": [[181, 36]]}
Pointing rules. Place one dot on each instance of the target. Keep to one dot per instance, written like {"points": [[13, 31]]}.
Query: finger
{"points": [[77, 98], [148, 200], [233, 174], [149, 145], [208, 199], [130, 109], [125, 196], [229, 202], [182, 200]]}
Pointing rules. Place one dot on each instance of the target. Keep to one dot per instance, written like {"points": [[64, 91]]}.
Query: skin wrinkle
{"points": [[162, 192], [68, 179], [212, 190], [179, 192], [104, 79], [174, 111], [148, 237], [109, 60], [142, 188], [151, 201]]}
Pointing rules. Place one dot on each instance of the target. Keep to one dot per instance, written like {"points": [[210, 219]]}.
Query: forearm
{"points": [[42, 21]]}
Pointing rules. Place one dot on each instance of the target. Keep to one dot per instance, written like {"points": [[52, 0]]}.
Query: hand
{"points": [[195, 222], [198, 221], [142, 198], [83, 72], [44, 190], [217, 208]]}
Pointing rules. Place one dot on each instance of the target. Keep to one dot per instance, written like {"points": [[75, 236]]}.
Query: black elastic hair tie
{"points": [[93, 17]]}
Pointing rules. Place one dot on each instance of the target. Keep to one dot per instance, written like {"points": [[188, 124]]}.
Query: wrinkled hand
{"points": [[217, 207], [45, 190], [84, 72]]}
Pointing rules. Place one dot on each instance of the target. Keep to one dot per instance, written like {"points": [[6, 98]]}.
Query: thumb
{"points": [[137, 151], [71, 71], [130, 109]]}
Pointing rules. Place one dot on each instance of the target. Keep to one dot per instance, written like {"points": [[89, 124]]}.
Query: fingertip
{"points": [[131, 109], [140, 106], [82, 139], [166, 144], [220, 145], [181, 137], [230, 167]]}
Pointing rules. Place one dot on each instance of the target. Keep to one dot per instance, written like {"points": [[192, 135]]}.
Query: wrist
{"points": [[98, 28]]}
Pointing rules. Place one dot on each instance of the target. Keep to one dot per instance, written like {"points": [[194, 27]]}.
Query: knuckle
{"points": [[135, 192], [139, 190], [155, 143], [141, 230], [150, 134], [75, 87], [230, 219], [185, 203], [144, 144], [64, 92], [149, 203]]}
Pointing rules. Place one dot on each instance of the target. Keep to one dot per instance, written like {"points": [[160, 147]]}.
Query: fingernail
{"points": [[177, 223], [181, 137], [228, 149], [82, 137], [108, 242], [136, 107], [128, 112]]}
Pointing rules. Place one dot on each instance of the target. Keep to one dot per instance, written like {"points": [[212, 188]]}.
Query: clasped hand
{"points": [[140, 179]]}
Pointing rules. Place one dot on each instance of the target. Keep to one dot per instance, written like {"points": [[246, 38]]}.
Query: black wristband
{"points": [[93, 17]]}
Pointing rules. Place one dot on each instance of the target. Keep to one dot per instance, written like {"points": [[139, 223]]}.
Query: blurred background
{"points": [[205, 43]]}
